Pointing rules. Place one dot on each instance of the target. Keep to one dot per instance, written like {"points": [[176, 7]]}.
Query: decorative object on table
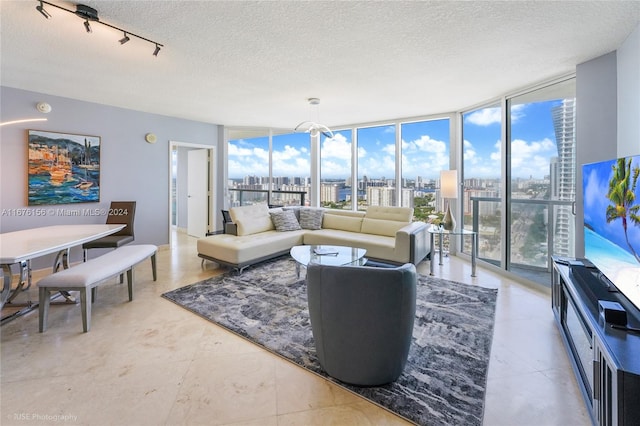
{"points": [[321, 251], [63, 168], [449, 190], [441, 384]]}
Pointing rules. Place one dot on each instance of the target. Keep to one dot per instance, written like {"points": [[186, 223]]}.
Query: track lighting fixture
{"points": [[40, 8], [90, 14]]}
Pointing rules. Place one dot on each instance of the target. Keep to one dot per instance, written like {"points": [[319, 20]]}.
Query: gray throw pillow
{"points": [[284, 220], [311, 218]]}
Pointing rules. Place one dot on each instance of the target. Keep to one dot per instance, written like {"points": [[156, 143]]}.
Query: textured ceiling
{"points": [[242, 63]]}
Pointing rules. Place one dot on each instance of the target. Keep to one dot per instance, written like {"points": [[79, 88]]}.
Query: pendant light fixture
{"points": [[312, 127]]}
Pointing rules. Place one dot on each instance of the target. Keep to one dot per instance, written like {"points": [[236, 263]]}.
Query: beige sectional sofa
{"points": [[387, 233]]}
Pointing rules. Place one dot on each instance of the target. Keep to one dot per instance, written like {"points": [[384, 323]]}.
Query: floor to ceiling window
{"points": [[521, 227], [267, 169], [248, 170], [291, 165], [336, 188], [482, 177], [425, 152], [541, 135], [376, 166]]}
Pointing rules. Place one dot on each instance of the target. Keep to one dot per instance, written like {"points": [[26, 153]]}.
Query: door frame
{"points": [[212, 180]]}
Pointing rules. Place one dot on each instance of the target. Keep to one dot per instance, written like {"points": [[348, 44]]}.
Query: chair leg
{"points": [[43, 308], [130, 282], [85, 306], [153, 266], [85, 255]]}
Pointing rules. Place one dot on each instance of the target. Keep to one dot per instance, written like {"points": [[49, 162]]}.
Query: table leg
{"points": [[474, 251], [6, 287], [441, 247], [433, 253], [62, 261]]}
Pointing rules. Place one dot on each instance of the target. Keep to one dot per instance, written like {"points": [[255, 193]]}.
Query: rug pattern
{"points": [[445, 377]]}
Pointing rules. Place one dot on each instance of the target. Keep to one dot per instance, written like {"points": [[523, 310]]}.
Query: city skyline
{"points": [[425, 148]]}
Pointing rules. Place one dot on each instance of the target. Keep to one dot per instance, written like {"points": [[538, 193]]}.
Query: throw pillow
{"points": [[311, 218], [284, 220]]}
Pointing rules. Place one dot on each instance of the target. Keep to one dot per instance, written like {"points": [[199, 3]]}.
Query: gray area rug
{"points": [[445, 377]]}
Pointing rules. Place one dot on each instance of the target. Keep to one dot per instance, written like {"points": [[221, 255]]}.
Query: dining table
{"points": [[19, 248]]}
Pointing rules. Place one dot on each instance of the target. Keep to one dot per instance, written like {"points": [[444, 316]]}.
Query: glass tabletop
{"points": [[327, 255], [458, 231]]}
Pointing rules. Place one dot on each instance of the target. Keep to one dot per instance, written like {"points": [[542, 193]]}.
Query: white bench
{"points": [[90, 274]]}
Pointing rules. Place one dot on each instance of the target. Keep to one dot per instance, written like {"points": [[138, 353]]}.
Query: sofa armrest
{"points": [[416, 237]]}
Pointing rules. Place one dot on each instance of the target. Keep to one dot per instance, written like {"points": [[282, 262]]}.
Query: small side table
{"points": [[474, 245]]}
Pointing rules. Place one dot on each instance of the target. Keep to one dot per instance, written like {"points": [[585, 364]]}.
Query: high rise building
{"points": [[563, 173]]}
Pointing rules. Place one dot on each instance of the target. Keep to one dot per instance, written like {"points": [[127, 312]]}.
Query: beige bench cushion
{"points": [[100, 268]]}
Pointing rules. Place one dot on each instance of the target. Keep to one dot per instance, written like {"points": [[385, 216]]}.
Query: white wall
{"points": [[131, 169], [629, 95]]}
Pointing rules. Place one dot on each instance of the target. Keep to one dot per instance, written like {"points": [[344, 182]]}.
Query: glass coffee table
{"points": [[327, 255]]}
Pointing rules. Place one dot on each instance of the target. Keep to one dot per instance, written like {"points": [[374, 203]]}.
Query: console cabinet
{"points": [[605, 360]]}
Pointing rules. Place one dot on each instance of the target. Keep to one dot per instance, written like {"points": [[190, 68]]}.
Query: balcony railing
{"points": [[538, 230], [242, 197]]}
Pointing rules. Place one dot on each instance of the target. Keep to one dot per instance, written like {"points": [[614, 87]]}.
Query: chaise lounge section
{"points": [[387, 233]]}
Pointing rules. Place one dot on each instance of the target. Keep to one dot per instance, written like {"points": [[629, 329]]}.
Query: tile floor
{"points": [[150, 362]]}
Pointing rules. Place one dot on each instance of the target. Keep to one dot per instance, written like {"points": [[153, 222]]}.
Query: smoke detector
{"points": [[43, 107]]}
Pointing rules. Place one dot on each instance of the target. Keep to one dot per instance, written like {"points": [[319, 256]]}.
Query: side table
{"points": [[441, 232]]}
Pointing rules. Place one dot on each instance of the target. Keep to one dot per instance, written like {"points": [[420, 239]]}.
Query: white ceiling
{"points": [[241, 63]]}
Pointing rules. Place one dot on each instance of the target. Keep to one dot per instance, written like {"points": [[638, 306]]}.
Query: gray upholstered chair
{"points": [[362, 320]]}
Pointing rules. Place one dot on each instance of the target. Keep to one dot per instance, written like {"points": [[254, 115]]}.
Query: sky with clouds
{"points": [[425, 148]]}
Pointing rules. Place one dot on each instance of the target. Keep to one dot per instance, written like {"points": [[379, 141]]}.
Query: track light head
{"points": [[124, 39], [155, 52], [44, 13], [87, 26]]}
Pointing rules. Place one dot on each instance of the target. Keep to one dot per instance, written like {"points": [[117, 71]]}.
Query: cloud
{"points": [[485, 117], [336, 147], [424, 157], [531, 158], [489, 116]]}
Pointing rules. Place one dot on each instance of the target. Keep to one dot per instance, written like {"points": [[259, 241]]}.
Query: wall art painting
{"points": [[63, 168]]}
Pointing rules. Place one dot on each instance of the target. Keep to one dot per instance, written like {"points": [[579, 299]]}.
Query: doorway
{"points": [[191, 188]]}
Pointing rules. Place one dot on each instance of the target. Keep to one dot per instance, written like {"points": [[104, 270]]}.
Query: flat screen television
{"points": [[612, 222]]}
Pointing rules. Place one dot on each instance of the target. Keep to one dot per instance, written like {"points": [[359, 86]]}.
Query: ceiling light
{"points": [[88, 13], [40, 8], [312, 127]]}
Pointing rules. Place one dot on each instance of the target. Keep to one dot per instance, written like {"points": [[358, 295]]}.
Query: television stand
{"points": [[605, 359]]}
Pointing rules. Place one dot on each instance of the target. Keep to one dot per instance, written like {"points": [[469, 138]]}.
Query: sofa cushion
{"points": [[381, 227], [252, 219], [399, 214], [311, 218], [284, 220], [343, 223]]}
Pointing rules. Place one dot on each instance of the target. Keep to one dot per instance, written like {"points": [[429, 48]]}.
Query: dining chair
{"points": [[120, 213]]}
